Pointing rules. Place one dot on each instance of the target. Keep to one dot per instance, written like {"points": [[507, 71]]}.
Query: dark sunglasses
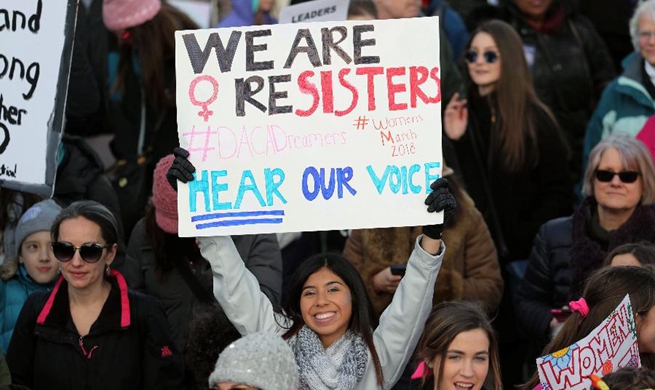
{"points": [[90, 252], [489, 56], [625, 176]]}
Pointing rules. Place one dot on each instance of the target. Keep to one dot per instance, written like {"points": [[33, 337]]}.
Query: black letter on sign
{"points": [[273, 108], [358, 44], [244, 94], [251, 48], [310, 49], [35, 20], [5, 143], [329, 43], [199, 57]]}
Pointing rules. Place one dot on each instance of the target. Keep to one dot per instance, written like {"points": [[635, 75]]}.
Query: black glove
{"points": [[181, 170], [440, 199]]}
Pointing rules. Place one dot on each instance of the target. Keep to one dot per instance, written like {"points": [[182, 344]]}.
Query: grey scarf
{"points": [[340, 366]]}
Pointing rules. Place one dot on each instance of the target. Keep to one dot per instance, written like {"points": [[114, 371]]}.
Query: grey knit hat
{"points": [[37, 218], [261, 360]]}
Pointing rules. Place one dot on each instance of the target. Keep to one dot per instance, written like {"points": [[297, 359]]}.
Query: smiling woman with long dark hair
{"points": [[329, 320]]}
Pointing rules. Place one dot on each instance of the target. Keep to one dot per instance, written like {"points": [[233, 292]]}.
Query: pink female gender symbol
{"points": [[206, 112]]}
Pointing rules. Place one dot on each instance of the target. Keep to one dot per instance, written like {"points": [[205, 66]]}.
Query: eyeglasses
{"points": [[489, 56], [646, 35], [625, 176], [90, 252]]}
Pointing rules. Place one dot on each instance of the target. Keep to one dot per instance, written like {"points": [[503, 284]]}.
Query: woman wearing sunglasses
{"points": [[619, 208], [511, 152], [512, 155], [90, 332]]}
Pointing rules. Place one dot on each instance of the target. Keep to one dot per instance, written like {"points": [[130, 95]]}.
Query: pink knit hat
{"points": [[122, 14], [164, 197]]}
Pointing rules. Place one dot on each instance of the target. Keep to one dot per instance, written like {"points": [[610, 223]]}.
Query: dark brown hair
{"points": [[210, 332], [604, 292], [363, 320], [154, 43], [168, 248], [643, 251], [13, 204], [515, 145], [630, 378], [446, 321]]}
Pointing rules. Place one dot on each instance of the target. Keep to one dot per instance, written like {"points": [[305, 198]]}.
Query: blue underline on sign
{"points": [[206, 217], [240, 222]]}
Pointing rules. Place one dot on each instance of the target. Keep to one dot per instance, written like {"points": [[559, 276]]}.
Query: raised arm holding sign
{"points": [[308, 127]]}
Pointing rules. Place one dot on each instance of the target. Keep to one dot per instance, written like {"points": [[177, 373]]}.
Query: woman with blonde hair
{"points": [[619, 208]]}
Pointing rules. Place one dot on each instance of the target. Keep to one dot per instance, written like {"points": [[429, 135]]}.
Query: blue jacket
{"points": [[242, 15], [13, 294], [453, 24], [624, 107]]}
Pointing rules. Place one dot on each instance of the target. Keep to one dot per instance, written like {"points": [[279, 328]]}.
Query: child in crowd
{"points": [[34, 269]]}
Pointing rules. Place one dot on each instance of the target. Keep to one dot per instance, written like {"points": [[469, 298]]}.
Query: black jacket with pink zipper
{"points": [[128, 347]]}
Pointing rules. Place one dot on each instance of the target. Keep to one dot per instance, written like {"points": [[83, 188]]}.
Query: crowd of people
{"points": [[547, 193]]}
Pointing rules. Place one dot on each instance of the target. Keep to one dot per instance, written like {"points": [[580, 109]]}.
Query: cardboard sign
{"points": [[36, 38], [303, 127], [612, 345], [315, 11]]}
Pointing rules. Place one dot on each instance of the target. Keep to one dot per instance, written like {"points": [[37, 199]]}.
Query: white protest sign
{"points": [[35, 52], [612, 345], [303, 127], [315, 11]]}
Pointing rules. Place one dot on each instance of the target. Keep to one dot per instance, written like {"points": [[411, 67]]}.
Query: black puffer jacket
{"points": [[564, 256], [548, 278], [128, 347], [571, 67]]}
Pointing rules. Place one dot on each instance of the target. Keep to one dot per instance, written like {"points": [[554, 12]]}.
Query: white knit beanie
{"points": [[261, 360]]}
